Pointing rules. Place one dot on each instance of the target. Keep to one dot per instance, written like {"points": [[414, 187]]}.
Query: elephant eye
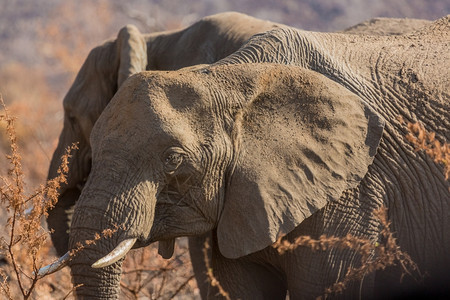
{"points": [[173, 158]]}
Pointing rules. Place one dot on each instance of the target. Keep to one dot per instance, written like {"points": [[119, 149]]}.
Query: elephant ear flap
{"points": [[300, 142], [132, 52]]}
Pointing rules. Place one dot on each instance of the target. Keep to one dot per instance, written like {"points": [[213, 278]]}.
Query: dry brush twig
{"points": [[145, 274], [27, 239], [26, 236], [385, 254]]}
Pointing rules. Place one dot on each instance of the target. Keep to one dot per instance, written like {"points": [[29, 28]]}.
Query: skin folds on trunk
{"points": [[96, 285], [117, 214]]}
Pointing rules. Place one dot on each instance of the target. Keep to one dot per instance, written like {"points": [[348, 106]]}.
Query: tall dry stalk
{"points": [[147, 275], [26, 239], [209, 271]]}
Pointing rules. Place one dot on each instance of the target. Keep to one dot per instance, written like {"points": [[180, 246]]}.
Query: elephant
{"points": [[106, 68], [296, 133], [109, 64]]}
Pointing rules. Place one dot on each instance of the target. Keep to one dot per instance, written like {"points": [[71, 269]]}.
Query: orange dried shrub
{"points": [[211, 278], [373, 256], [424, 140], [25, 241]]}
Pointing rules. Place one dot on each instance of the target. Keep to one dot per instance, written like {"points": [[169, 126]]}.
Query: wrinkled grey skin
{"points": [[406, 76], [284, 150], [208, 40], [106, 67]]}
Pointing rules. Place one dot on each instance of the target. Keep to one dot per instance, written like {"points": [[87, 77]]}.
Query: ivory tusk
{"points": [[55, 266], [120, 251]]}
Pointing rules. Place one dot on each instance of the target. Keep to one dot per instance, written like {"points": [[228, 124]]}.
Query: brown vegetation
{"points": [[26, 239], [423, 140], [373, 256], [211, 278]]}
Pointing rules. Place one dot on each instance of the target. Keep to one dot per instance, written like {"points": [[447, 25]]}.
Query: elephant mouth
{"points": [[166, 248]]}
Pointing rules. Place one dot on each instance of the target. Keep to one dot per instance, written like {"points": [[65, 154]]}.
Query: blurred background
{"points": [[44, 42]]}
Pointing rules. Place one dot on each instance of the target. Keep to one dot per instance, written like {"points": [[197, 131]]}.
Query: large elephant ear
{"points": [[132, 52], [301, 141]]}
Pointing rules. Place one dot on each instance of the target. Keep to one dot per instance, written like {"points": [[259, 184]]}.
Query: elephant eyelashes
{"points": [[173, 158]]}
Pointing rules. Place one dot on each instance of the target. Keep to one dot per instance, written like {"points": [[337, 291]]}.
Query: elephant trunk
{"points": [[110, 214], [96, 283]]}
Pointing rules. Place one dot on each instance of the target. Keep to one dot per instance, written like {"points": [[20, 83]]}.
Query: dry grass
{"points": [[146, 274], [212, 279]]}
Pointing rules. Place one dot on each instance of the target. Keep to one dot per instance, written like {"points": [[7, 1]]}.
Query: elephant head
{"points": [[104, 70], [247, 150]]}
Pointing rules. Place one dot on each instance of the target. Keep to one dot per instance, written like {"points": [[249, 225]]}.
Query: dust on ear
{"points": [[301, 141]]}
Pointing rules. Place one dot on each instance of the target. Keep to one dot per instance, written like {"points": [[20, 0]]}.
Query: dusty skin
{"points": [[184, 152], [110, 64], [387, 26]]}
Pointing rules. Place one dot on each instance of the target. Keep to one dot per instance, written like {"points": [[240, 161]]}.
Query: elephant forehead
{"points": [[180, 102], [143, 116]]}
